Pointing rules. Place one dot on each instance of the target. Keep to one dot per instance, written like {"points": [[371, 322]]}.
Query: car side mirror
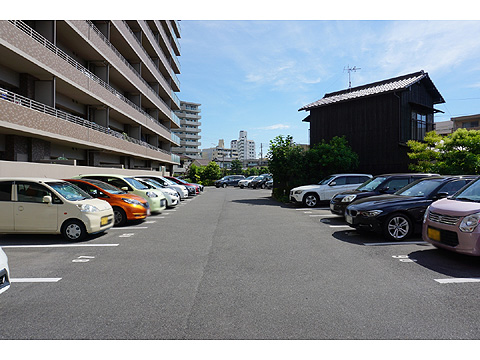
{"points": [[124, 188], [47, 199], [440, 195], [333, 183], [384, 190]]}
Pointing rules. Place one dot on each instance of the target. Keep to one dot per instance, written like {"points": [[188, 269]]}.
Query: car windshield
{"points": [[168, 181], [326, 180], [69, 191], [136, 184], [371, 184], [154, 183], [420, 188], [106, 187], [250, 178], [470, 193]]}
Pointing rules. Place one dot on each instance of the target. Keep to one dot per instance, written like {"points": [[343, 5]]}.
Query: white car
{"points": [[244, 182], [4, 272], [311, 195], [180, 189], [171, 195], [51, 206]]}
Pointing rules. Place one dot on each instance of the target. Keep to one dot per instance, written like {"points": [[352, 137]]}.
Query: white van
{"points": [[51, 206]]}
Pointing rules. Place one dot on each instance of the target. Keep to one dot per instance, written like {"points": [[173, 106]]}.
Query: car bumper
{"points": [[157, 204], [296, 198], [338, 208], [98, 221], [449, 237], [361, 222], [136, 212]]}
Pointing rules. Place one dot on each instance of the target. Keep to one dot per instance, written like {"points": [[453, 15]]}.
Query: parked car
{"points": [[4, 272], [400, 215], [269, 184], [125, 206], [260, 181], [193, 189], [452, 223], [51, 206], [311, 195], [244, 182], [170, 194], [155, 198], [380, 184], [229, 180], [180, 189]]}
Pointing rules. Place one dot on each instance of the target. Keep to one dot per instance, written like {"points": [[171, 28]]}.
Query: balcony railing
{"points": [[35, 105], [60, 53]]}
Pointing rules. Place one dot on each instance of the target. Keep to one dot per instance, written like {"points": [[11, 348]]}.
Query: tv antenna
{"points": [[349, 69]]}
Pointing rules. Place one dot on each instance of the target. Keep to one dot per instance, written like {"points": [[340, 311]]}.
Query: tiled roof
{"points": [[394, 84]]}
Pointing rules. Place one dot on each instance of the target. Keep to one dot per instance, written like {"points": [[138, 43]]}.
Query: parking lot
{"points": [[235, 264]]}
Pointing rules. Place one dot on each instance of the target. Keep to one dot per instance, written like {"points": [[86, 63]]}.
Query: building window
{"points": [[421, 123], [471, 124]]}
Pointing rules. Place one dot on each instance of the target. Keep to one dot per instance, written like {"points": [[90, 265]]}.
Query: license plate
{"points": [[148, 212], [104, 220], [349, 219], [332, 207], [433, 234]]}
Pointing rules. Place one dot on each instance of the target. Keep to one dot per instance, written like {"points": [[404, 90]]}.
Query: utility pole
{"points": [[349, 69]]}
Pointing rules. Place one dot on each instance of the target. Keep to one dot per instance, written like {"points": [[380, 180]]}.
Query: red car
{"points": [[183, 182]]}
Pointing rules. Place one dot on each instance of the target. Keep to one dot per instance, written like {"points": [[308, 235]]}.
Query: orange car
{"points": [[125, 206]]}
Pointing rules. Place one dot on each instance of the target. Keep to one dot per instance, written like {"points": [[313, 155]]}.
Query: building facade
{"points": [[469, 122], [377, 119], [93, 93], [189, 134], [244, 147]]}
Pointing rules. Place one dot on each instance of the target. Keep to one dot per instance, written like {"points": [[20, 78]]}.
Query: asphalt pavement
{"points": [[235, 264]]}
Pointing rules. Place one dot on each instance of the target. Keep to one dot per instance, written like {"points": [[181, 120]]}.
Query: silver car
{"points": [[4, 272]]}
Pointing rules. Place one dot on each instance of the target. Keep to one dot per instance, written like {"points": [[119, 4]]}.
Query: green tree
{"points": [[194, 173], [210, 173], [236, 167], [453, 154]]}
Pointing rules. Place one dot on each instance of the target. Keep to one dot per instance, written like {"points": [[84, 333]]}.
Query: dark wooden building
{"points": [[377, 119]]}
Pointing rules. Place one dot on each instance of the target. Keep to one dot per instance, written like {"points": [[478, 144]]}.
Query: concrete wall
{"points": [[56, 171]]}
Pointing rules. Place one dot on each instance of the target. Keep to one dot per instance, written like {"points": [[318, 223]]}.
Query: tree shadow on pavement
{"points": [[266, 200]]}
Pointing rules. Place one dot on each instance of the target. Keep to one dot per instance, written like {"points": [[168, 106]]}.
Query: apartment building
{"points": [[469, 122], [219, 153], [244, 147], [90, 93], [189, 134]]}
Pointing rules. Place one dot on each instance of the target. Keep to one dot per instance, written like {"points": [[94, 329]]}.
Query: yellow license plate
{"points": [[433, 234], [104, 220]]}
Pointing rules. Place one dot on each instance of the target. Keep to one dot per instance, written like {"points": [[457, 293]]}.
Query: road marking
{"points": [[339, 226], [126, 235], [150, 222], [457, 280], [397, 243], [307, 212], [129, 228], [34, 280], [55, 246]]}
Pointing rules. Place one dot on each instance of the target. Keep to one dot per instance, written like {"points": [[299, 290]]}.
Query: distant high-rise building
{"points": [[245, 148]]}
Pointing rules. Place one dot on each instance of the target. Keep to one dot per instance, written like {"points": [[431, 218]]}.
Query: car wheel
{"points": [[73, 230], [224, 185], [310, 200], [241, 186], [398, 227], [119, 216]]}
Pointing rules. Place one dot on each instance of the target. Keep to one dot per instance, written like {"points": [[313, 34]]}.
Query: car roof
{"points": [[26, 178], [407, 174]]}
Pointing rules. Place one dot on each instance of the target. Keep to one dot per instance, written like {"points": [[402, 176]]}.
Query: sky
{"points": [[255, 75]]}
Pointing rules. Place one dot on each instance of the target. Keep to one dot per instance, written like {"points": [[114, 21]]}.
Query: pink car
{"points": [[452, 223]]}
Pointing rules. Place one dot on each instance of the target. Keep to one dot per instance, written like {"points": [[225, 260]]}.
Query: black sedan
{"points": [[380, 184], [399, 215], [260, 181]]}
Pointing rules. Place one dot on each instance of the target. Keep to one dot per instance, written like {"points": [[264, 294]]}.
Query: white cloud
{"points": [[274, 127]]}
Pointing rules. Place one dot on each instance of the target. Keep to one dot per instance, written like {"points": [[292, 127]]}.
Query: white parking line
{"points": [[34, 280], [325, 216], [457, 280], [129, 228], [339, 226], [55, 246], [396, 243]]}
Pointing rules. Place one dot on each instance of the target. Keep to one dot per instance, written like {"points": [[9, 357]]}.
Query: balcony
{"points": [[31, 118]]}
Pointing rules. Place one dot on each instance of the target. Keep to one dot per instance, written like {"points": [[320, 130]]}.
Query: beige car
{"points": [[51, 206]]}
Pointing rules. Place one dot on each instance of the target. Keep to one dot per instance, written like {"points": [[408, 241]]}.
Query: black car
{"points": [[260, 181], [229, 180], [380, 184], [399, 215]]}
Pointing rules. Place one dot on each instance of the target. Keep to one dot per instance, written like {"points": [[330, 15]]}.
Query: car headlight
{"points": [[151, 194], [349, 198], [298, 192], [132, 201], [370, 213], [87, 208], [469, 223]]}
